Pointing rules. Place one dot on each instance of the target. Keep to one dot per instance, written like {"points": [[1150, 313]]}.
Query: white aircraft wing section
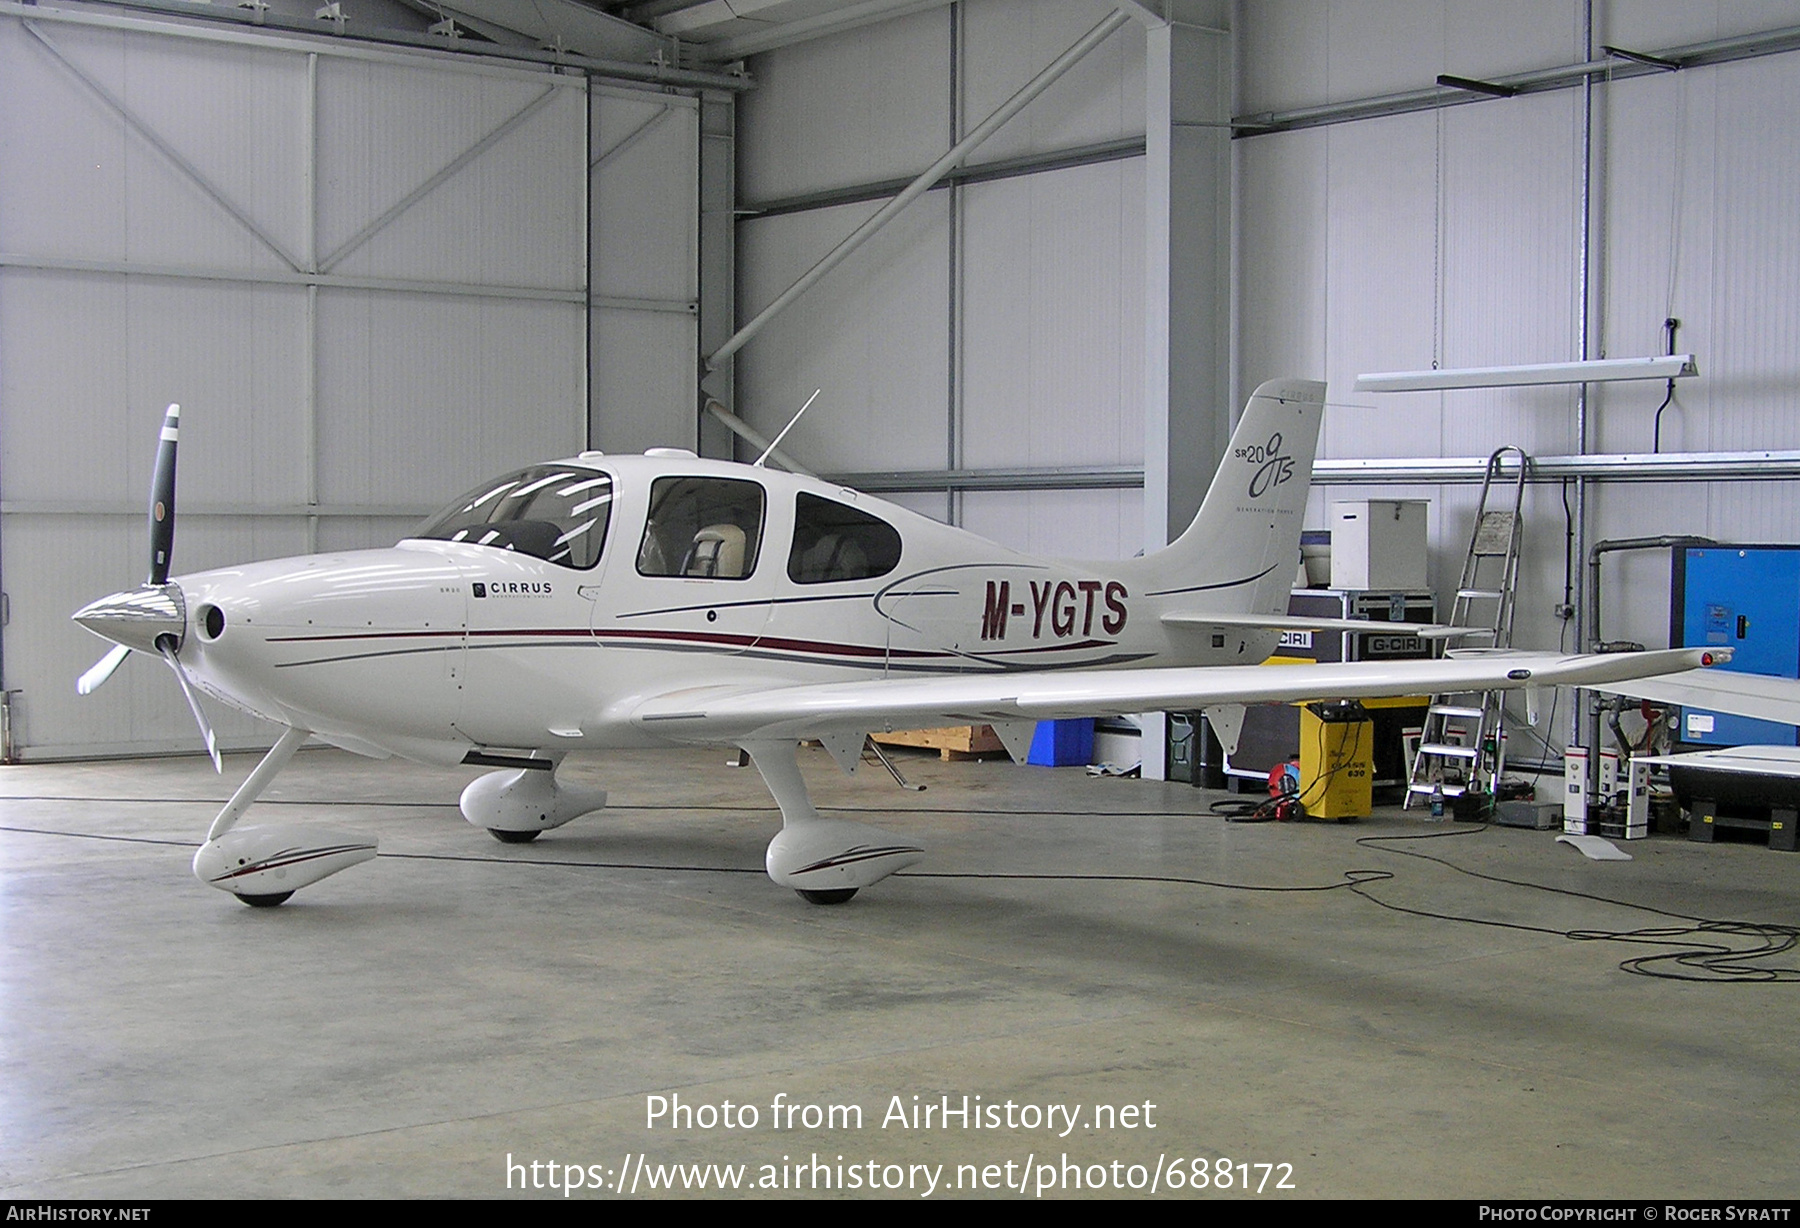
{"points": [[1769, 699], [739, 714]]}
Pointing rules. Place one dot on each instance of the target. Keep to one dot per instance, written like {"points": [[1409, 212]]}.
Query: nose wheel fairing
{"points": [[265, 864]]}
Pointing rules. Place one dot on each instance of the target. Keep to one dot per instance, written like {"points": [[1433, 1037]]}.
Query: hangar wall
{"points": [[1453, 237], [365, 275], [994, 324]]}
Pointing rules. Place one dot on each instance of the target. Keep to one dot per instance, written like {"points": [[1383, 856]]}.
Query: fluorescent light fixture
{"points": [[1600, 370]]}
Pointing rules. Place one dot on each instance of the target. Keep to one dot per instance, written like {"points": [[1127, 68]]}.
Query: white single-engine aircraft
{"points": [[626, 601]]}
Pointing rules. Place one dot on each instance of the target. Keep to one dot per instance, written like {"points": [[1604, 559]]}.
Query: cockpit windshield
{"points": [[557, 513]]}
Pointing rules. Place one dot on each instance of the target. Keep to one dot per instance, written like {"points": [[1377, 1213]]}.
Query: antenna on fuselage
{"points": [[758, 462]]}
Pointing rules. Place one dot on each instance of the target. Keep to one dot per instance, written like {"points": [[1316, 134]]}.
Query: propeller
{"points": [[162, 497], [102, 669], [151, 618]]}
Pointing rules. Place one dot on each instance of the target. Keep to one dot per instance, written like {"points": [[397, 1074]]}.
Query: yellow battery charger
{"points": [[1337, 761]]}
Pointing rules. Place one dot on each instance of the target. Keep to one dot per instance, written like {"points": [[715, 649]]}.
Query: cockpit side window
{"points": [[708, 528], [835, 542], [557, 513]]}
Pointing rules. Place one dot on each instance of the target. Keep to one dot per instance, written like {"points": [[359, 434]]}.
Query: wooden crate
{"points": [[953, 742]]}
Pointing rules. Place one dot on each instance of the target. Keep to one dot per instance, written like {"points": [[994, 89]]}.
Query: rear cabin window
{"points": [[708, 528], [557, 513], [833, 541]]}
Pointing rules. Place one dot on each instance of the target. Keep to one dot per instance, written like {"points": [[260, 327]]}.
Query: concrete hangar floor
{"points": [[459, 1014]]}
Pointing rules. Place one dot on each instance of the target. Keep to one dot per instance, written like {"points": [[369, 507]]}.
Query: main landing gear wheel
{"points": [[266, 901], [512, 837], [837, 895]]}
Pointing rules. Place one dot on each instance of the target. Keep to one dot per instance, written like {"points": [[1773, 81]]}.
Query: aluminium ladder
{"points": [[1461, 746]]}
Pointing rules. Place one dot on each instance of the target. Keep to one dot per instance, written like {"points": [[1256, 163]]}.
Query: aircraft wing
{"points": [[1769, 699], [740, 714]]}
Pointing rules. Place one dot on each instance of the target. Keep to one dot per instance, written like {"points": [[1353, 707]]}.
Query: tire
{"points": [[836, 895], [266, 901], [513, 837]]}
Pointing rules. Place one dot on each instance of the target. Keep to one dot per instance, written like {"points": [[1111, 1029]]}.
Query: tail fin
{"points": [[1244, 545]]}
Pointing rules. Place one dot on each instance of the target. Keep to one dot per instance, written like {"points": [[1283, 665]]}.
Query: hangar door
{"points": [[363, 273]]}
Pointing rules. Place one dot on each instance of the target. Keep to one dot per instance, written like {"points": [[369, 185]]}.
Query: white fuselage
{"points": [[433, 648]]}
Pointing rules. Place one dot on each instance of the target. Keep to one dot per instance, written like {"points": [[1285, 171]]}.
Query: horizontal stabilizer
{"points": [[1301, 622]]}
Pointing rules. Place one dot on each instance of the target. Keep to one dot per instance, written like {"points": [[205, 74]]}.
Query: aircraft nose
{"points": [[139, 617]]}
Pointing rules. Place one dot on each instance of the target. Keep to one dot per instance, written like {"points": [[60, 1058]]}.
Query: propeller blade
{"points": [[167, 648], [102, 669], [162, 498]]}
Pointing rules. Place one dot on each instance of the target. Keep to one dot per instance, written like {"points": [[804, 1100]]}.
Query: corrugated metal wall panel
{"points": [[873, 335], [1281, 273], [1699, 224], [1653, 26], [79, 347], [1081, 524], [644, 164], [1380, 48], [1306, 52], [1660, 215], [1053, 356], [1007, 42], [1285, 60], [1381, 287], [1510, 236], [645, 198], [642, 387], [417, 395], [512, 215], [420, 397], [1754, 351], [1047, 321], [866, 105], [87, 185]]}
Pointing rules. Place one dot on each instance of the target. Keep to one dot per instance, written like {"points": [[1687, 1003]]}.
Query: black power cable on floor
{"points": [[1701, 956], [1706, 961]]}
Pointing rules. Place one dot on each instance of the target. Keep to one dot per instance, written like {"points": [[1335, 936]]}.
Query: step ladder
{"points": [[1462, 747]]}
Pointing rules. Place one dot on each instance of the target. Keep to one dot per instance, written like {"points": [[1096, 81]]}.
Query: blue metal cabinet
{"points": [[1746, 598]]}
